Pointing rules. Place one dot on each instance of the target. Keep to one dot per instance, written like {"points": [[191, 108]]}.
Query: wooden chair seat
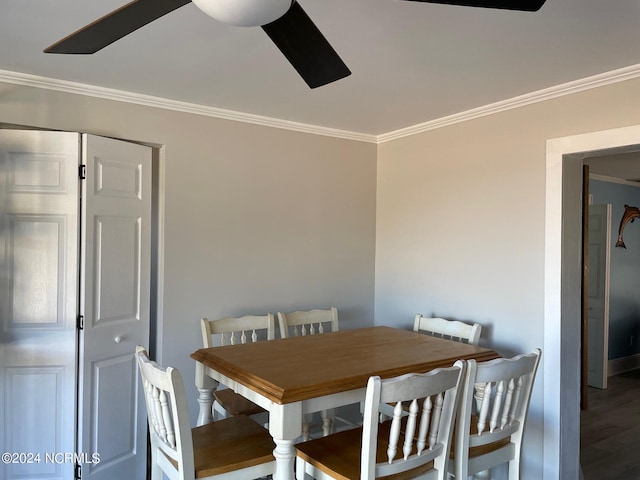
{"points": [[340, 454], [232, 449], [236, 404], [230, 444], [480, 449]]}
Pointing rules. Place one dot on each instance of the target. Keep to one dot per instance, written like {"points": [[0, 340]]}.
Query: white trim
{"points": [[158, 102], [561, 343], [624, 364], [607, 297], [605, 178], [552, 309], [595, 81], [161, 195]]}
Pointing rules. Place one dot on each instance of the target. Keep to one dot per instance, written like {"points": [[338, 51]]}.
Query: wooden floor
{"points": [[610, 430]]}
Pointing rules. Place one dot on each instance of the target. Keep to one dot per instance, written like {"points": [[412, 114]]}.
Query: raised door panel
{"points": [[116, 426]]}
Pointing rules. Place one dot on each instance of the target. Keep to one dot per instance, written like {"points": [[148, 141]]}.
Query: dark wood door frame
{"points": [[584, 290]]}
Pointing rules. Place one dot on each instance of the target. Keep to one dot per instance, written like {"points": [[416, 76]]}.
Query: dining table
{"points": [[291, 377]]}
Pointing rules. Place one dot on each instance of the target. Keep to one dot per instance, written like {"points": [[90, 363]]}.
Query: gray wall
{"points": [[461, 233], [624, 294], [253, 219]]}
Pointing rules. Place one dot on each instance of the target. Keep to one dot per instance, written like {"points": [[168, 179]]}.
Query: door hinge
{"points": [[77, 471], [80, 322], [82, 172]]}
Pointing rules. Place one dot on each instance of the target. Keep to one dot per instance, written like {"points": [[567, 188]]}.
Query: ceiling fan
{"points": [[284, 21]]}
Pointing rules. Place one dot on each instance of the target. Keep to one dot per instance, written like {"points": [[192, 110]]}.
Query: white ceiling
{"points": [[623, 164], [412, 62]]}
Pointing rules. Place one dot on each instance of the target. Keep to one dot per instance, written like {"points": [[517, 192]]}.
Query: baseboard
{"points": [[624, 364]]}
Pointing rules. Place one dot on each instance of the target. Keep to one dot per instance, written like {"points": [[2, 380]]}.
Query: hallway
{"points": [[610, 430]]}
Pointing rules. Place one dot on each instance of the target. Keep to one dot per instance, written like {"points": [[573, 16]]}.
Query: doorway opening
{"points": [[562, 310]]}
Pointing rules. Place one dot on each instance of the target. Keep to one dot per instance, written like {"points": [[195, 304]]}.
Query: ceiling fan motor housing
{"points": [[244, 13]]}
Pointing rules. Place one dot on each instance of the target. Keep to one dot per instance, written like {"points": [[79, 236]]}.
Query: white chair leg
{"points": [[514, 469], [306, 425], [156, 471], [327, 422]]}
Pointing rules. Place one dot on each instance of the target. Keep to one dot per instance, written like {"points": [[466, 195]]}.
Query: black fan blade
{"points": [[115, 25], [526, 5], [305, 47]]}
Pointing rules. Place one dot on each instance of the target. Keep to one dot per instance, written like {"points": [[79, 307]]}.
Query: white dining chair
{"points": [[231, 331], [450, 329], [312, 322], [234, 448], [490, 432], [413, 446], [443, 328], [308, 322]]}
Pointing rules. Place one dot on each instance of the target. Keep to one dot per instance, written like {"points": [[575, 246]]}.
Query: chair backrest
{"points": [[308, 322], [168, 417], [451, 329], [231, 331], [426, 436], [499, 391]]}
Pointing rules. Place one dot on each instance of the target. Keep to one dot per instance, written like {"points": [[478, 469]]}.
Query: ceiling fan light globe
{"points": [[244, 13]]}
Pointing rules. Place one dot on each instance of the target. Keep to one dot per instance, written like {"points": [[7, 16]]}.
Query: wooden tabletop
{"points": [[299, 368]]}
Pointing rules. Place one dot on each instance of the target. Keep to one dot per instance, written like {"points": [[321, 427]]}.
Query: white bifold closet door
{"points": [[75, 223]]}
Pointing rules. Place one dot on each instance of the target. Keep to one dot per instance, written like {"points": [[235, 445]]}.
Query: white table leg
{"points": [[285, 426], [285, 455], [205, 400], [206, 386]]}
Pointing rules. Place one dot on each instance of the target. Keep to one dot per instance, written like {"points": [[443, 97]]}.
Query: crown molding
{"points": [[606, 178], [595, 81], [65, 86]]}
